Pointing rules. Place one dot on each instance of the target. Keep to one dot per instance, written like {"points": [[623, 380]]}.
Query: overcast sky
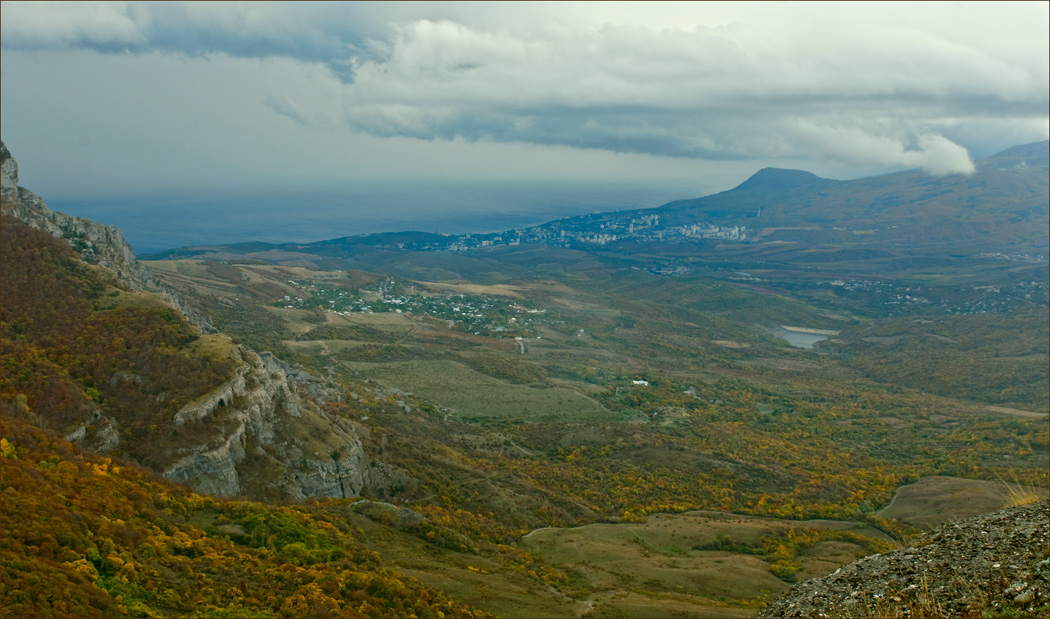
{"points": [[132, 98]]}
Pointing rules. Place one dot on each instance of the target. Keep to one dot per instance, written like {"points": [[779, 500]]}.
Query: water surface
{"points": [[155, 223]]}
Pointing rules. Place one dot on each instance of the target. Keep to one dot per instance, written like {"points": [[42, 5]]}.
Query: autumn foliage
{"points": [[76, 347], [87, 536]]}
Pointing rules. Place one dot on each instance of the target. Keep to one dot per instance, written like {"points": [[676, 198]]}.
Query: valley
{"points": [[619, 402], [643, 426]]}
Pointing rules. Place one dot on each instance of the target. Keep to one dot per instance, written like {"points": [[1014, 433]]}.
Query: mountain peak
{"points": [[8, 170], [778, 179]]}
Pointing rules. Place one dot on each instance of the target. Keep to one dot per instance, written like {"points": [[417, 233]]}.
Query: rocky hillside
{"points": [[96, 243], [994, 563], [98, 356]]}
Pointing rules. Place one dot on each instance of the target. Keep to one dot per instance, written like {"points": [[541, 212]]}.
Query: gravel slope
{"points": [[997, 561]]}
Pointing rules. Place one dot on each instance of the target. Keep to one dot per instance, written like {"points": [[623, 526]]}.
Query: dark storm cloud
{"points": [[329, 34], [624, 130]]}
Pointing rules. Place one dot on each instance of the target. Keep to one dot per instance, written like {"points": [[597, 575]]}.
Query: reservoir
{"points": [[801, 337]]}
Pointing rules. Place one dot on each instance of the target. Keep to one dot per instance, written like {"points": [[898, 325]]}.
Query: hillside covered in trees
{"points": [[77, 348], [92, 536]]}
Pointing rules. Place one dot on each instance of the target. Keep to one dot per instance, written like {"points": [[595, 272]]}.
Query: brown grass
{"points": [[1017, 494]]}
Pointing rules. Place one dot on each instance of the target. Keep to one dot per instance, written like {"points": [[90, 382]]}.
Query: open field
{"points": [[1013, 411], [656, 569], [468, 395], [645, 569]]}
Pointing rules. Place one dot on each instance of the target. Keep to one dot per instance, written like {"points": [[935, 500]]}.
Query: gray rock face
{"points": [[8, 170], [998, 560], [278, 442]]}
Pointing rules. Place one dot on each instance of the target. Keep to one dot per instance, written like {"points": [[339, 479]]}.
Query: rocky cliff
{"points": [[991, 565], [279, 442], [263, 433]]}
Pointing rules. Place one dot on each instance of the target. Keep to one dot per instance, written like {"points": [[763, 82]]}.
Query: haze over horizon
{"points": [[506, 111]]}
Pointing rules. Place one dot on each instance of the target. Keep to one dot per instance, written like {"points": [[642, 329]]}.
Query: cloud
{"points": [[932, 152], [329, 34], [702, 92], [866, 84], [43, 25], [940, 156], [286, 107]]}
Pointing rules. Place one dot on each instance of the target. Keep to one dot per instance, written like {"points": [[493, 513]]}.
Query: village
{"points": [[898, 299], [583, 232], [475, 314], [600, 229]]}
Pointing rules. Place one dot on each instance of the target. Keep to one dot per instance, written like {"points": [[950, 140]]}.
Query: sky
{"points": [[126, 102]]}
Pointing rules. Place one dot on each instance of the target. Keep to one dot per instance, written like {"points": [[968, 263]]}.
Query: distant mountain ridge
{"points": [[1034, 154], [748, 196], [1014, 180], [776, 218]]}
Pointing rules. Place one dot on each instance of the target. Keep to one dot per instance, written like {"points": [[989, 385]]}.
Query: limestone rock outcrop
{"points": [[280, 444]]}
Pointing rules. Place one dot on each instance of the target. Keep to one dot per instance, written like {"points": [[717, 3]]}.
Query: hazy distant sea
{"points": [[155, 223]]}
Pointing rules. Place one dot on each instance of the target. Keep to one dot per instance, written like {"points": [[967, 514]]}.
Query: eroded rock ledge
{"points": [[279, 442]]}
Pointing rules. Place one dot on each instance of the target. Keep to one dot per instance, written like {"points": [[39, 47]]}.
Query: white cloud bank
{"points": [[704, 92]]}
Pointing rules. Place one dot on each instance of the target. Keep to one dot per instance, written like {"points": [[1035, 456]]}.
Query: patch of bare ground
{"points": [[1013, 411], [730, 344], [499, 290], [933, 500]]}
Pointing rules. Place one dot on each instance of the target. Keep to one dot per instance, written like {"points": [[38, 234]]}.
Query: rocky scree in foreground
{"points": [[997, 561]]}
